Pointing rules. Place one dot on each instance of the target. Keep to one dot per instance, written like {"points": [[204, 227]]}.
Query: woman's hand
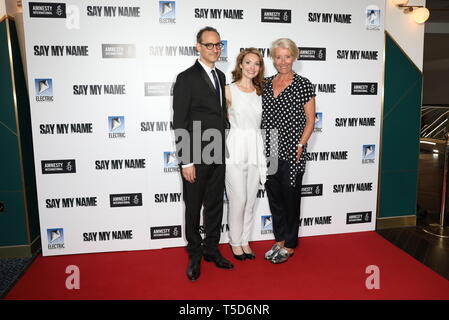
{"points": [[300, 148]]}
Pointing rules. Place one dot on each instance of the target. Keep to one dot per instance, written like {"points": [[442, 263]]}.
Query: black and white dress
{"points": [[285, 113]]}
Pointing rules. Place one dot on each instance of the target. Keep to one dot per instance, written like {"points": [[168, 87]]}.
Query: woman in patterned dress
{"points": [[289, 108]]}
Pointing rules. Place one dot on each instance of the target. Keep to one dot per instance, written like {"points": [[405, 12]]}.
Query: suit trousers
{"points": [[242, 181], [207, 191], [285, 204]]}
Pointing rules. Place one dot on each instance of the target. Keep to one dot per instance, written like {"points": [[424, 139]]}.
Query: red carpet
{"points": [[324, 267]]}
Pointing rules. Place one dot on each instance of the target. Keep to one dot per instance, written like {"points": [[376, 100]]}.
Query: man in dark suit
{"points": [[199, 106]]}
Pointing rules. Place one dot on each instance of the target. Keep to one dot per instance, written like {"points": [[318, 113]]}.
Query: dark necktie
{"points": [[217, 86]]}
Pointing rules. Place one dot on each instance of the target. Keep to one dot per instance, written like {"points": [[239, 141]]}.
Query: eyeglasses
{"points": [[209, 46]]}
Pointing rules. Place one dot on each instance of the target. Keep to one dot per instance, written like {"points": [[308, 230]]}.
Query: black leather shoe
{"points": [[193, 269], [220, 261]]}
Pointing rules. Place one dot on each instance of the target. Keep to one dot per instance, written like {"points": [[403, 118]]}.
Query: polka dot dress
{"points": [[285, 113]]}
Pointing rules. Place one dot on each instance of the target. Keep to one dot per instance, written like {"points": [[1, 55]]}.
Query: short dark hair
{"points": [[200, 33]]}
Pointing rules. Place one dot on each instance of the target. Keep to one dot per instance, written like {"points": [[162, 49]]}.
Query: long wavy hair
{"points": [[258, 80]]}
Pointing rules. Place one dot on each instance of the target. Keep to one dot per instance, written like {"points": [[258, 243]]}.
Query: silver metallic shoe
{"points": [[281, 256], [272, 252]]}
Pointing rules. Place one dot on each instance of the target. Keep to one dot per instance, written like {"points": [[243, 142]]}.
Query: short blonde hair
{"points": [[286, 44]]}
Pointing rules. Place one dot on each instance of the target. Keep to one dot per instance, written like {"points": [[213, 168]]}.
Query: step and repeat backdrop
{"points": [[100, 80]]}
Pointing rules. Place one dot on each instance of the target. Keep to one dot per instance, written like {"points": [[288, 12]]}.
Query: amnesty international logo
{"points": [[166, 232], [118, 51], [167, 12], [311, 190], [58, 166], [125, 200], [364, 88], [358, 217], [312, 54], [276, 16], [47, 10], [158, 89]]}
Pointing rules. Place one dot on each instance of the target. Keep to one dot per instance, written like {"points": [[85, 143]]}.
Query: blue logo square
{"points": [[267, 224], [369, 151], [167, 9], [170, 159], [55, 236], [224, 51], [372, 17], [318, 120], [43, 87], [116, 124]]}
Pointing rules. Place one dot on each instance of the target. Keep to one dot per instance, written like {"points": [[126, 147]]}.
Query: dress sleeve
{"points": [[309, 90]]}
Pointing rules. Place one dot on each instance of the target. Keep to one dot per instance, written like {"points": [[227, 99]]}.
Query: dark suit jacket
{"points": [[194, 99]]}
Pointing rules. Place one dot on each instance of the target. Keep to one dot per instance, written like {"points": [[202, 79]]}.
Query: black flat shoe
{"points": [[250, 256], [240, 257]]}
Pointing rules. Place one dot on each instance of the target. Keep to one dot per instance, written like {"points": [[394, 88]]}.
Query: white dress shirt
{"points": [[211, 77]]}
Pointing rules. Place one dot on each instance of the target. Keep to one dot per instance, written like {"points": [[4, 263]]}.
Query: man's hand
{"points": [[189, 174]]}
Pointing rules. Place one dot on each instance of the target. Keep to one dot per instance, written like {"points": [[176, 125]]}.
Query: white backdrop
{"points": [[100, 78]]}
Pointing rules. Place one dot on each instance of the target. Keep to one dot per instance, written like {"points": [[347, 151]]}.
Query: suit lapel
{"points": [[205, 76], [221, 79]]}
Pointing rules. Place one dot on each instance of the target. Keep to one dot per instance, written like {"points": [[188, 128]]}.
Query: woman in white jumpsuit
{"points": [[246, 164]]}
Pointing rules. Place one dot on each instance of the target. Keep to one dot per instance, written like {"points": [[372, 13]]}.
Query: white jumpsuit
{"points": [[246, 164]]}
